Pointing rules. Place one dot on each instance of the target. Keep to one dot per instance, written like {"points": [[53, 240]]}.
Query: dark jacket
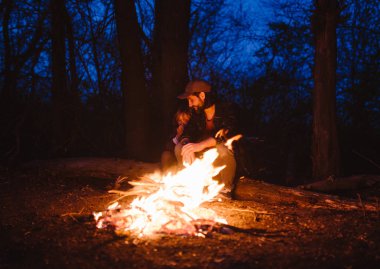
{"points": [[224, 118]]}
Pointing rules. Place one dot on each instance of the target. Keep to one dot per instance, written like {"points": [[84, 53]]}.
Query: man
{"points": [[214, 121]]}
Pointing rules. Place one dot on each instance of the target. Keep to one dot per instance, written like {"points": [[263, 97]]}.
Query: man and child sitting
{"points": [[205, 124]]}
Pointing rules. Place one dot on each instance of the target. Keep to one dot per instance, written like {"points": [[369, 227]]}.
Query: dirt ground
{"points": [[46, 222]]}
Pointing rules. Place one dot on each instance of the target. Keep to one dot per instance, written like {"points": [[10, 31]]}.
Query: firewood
{"points": [[332, 184]]}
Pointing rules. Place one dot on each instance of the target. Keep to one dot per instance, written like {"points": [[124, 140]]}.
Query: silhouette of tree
{"points": [[133, 82], [326, 154], [170, 59]]}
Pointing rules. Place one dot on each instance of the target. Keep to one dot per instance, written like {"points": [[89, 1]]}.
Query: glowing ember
{"points": [[169, 203]]}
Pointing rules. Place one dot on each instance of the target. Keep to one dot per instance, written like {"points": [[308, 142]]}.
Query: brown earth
{"points": [[46, 222]]}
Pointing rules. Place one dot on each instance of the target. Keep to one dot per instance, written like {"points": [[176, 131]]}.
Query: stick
{"points": [[253, 211], [78, 216], [361, 204], [70, 214]]}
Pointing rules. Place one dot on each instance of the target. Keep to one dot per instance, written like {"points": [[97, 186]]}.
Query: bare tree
{"points": [[62, 98], [325, 148], [74, 80], [17, 50], [358, 33], [170, 58], [7, 49], [96, 50], [132, 80]]}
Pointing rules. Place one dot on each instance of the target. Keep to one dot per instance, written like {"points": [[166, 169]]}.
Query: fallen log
{"points": [[254, 190], [247, 189], [343, 184]]}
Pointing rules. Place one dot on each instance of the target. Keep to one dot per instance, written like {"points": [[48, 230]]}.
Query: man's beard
{"points": [[197, 109]]}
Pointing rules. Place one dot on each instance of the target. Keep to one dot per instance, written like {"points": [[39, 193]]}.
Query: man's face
{"points": [[196, 102]]}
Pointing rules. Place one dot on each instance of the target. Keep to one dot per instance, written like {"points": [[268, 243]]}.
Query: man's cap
{"points": [[193, 87]]}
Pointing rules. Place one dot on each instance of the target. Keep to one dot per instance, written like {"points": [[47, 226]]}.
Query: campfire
{"points": [[169, 203]]}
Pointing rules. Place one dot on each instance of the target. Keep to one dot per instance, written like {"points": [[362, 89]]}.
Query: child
{"points": [[168, 160], [182, 117]]}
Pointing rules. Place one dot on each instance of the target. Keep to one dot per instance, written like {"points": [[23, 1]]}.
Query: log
{"points": [[343, 184], [247, 189], [255, 190]]}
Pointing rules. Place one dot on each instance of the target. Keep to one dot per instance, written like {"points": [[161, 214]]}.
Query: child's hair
{"points": [[182, 116]]}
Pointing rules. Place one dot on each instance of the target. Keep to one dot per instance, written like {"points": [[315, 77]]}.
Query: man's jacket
{"points": [[224, 118]]}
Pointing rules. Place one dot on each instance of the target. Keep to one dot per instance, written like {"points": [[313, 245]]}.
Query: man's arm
{"points": [[197, 147], [225, 123], [189, 150]]}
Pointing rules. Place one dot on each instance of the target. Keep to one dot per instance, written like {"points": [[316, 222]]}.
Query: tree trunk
{"points": [[8, 85], [170, 56], [325, 148], [74, 81], [59, 83], [133, 82], [95, 53]]}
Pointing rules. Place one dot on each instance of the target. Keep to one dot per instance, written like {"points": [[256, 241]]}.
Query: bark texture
{"points": [[61, 126], [133, 82], [170, 56], [325, 148]]}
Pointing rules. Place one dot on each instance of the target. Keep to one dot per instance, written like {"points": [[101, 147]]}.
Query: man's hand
{"points": [[189, 150], [222, 133], [188, 159]]}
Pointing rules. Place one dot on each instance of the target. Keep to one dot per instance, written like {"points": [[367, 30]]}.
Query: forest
{"points": [[97, 78], [88, 93]]}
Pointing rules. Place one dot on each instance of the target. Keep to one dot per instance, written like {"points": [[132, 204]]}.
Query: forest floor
{"points": [[46, 222]]}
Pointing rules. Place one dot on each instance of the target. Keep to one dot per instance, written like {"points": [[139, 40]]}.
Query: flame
{"points": [[231, 140], [173, 205], [168, 203]]}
